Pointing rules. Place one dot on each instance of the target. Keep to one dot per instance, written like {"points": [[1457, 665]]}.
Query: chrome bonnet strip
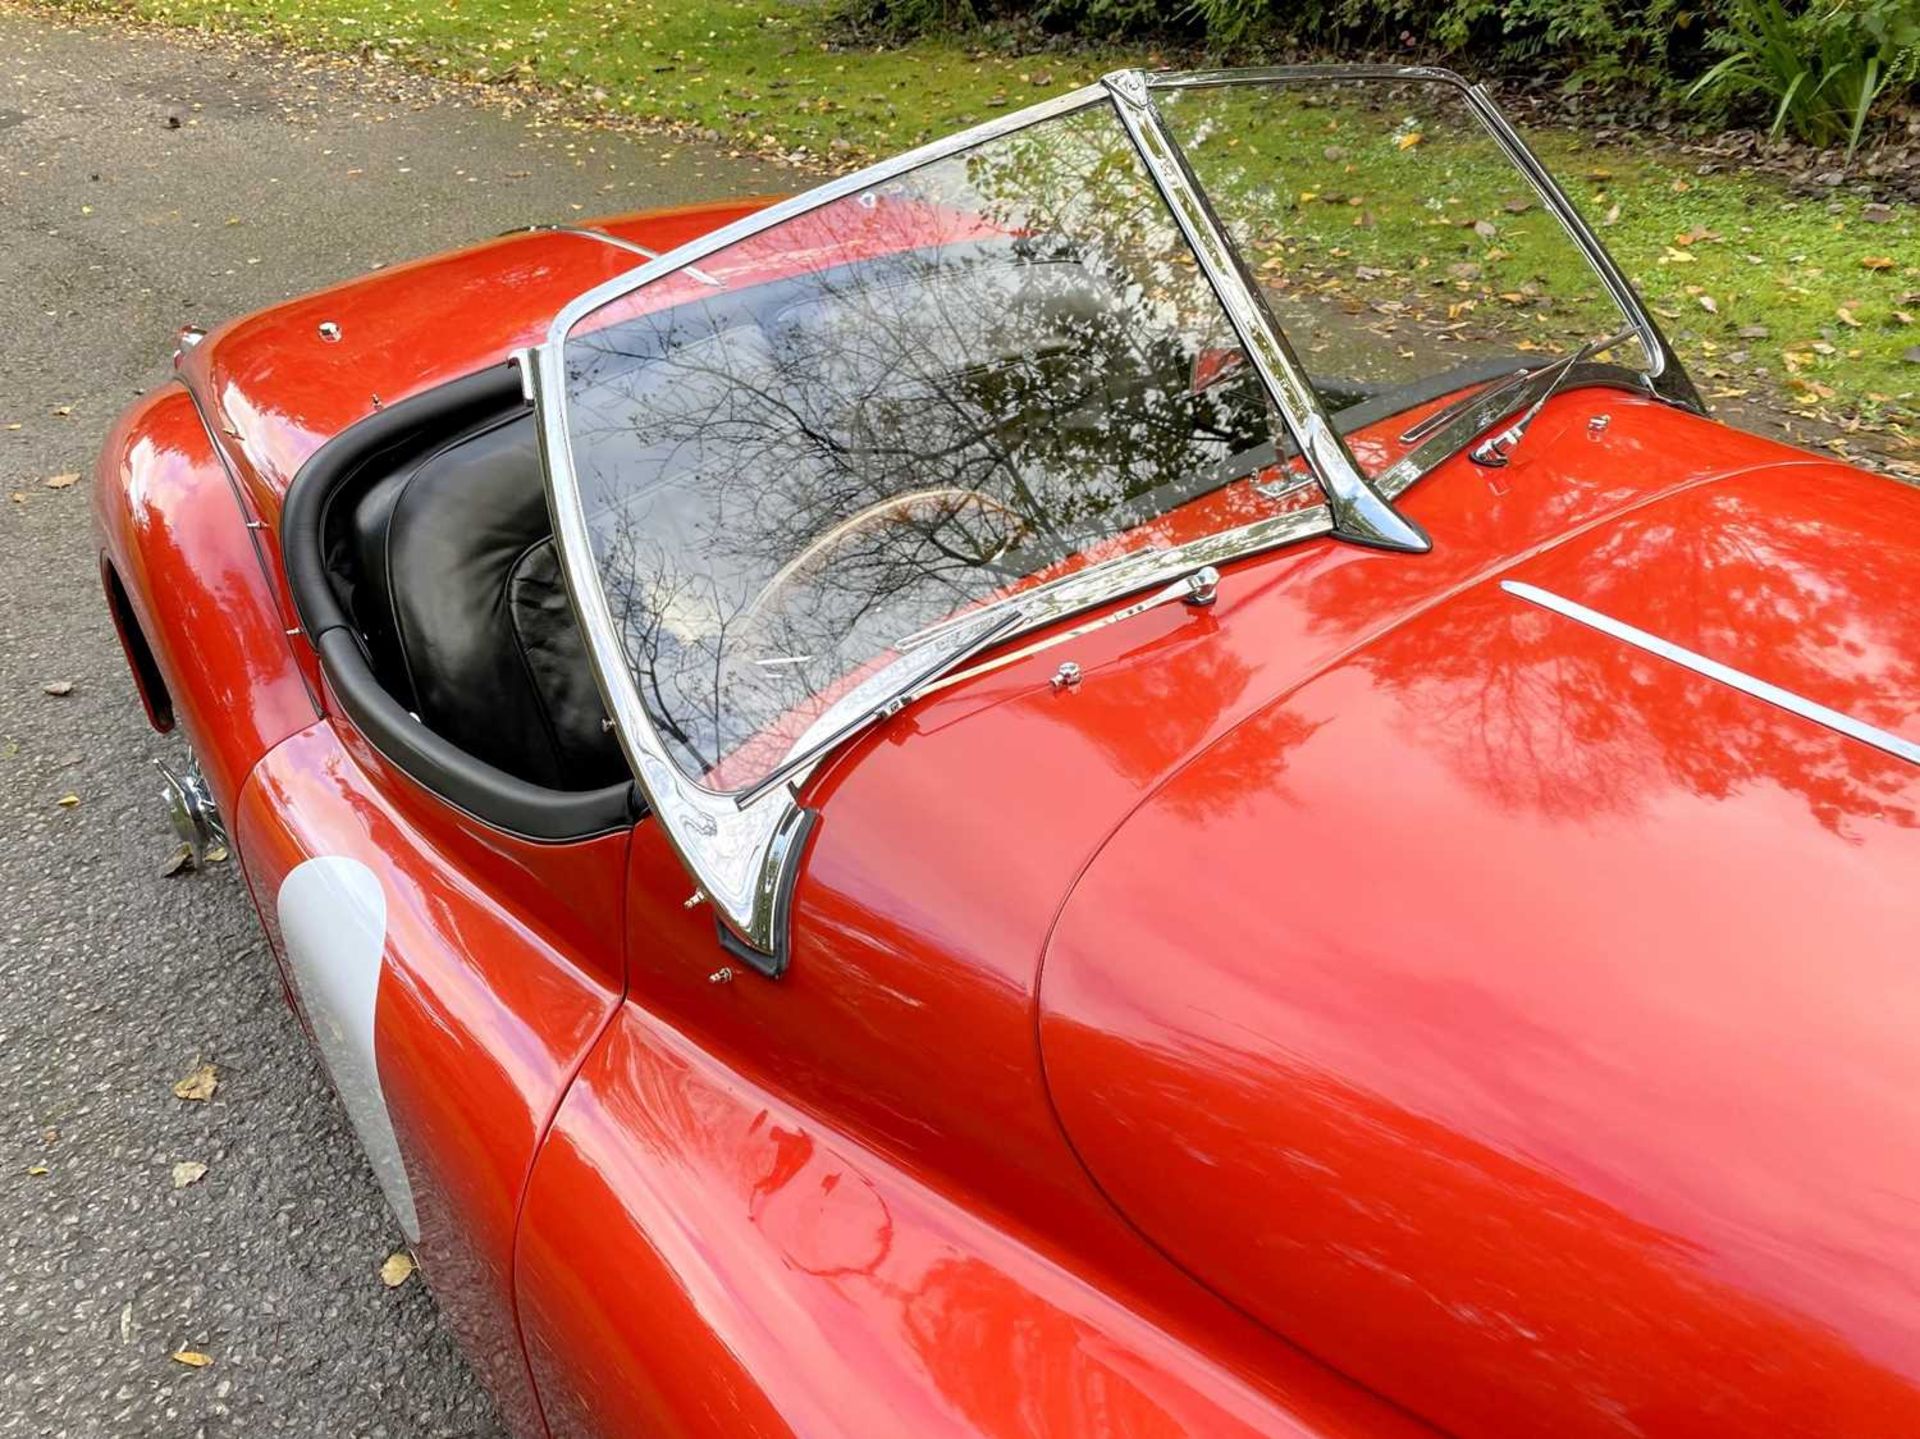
{"points": [[1747, 684], [587, 232]]}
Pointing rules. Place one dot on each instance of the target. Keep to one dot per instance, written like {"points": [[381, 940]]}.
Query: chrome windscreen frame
{"points": [[742, 851]]}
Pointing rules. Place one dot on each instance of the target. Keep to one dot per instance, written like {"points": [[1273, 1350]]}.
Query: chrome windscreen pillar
{"points": [[1360, 513]]}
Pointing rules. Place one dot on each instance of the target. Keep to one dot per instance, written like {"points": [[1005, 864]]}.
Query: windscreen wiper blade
{"points": [[896, 698], [1491, 390]]}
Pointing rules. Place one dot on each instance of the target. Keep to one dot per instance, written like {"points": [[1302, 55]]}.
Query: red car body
{"points": [[1372, 1005]]}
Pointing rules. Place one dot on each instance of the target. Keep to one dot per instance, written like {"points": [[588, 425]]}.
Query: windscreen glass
{"points": [[866, 419], [1401, 251]]}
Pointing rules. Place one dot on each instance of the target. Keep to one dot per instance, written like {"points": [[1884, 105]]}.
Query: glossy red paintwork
{"points": [[1372, 1000], [483, 1014], [173, 531], [1603, 1115]]}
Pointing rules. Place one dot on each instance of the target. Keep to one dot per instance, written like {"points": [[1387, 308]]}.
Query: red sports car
{"points": [[1143, 773]]}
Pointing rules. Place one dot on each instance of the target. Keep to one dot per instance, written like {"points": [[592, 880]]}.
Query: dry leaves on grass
{"points": [[397, 1269], [199, 1085]]}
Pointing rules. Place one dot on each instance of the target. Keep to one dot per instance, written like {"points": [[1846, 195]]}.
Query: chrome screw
{"points": [[1067, 676], [722, 975], [329, 331]]}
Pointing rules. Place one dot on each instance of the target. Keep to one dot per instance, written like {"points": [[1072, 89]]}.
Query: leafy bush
{"points": [[1600, 39], [1818, 67], [1821, 69]]}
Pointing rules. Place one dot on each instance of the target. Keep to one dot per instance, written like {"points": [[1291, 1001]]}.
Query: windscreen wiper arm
{"points": [[1495, 450], [1504, 384]]}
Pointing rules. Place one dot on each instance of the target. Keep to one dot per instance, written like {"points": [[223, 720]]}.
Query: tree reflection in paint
{"points": [[1543, 714]]}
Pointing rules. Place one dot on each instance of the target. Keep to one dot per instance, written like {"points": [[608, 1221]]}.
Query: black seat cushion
{"points": [[464, 612]]}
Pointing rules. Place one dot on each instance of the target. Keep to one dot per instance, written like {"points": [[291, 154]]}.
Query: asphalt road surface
{"points": [[146, 182]]}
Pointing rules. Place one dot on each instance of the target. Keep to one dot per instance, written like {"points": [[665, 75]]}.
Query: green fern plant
{"points": [[1821, 69]]}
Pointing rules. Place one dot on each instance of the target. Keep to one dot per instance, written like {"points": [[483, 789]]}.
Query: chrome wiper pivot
{"points": [[1496, 450]]}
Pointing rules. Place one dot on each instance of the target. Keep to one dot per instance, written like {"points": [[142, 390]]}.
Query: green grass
{"points": [[1715, 255]]}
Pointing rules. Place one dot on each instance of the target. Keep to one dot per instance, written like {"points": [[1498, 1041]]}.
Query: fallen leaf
{"points": [[38, 1171], [192, 1358], [1408, 140], [1846, 317], [1709, 304], [68, 801], [57, 688], [199, 1085], [1911, 354], [188, 1171], [397, 1270], [179, 862], [1877, 262], [61, 482], [1612, 216], [1485, 229], [215, 854], [1517, 207], [1754, 332]]}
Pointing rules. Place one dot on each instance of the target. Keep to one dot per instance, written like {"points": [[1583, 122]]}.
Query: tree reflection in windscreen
{"points": [[893, 407]]}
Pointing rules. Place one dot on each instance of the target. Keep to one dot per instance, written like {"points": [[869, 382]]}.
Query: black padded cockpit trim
{"points": [[490, 795]]}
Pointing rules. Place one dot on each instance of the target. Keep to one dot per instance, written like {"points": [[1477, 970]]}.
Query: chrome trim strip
{"points": [[586, 232], [1759, 689], [1124, 575], [1360, 512]]}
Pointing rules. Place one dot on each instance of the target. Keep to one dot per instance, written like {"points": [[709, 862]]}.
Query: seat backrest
{"points": [[466, 612]]}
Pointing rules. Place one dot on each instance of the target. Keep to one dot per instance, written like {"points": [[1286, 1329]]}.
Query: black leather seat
{"points": [[465, 616]]}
